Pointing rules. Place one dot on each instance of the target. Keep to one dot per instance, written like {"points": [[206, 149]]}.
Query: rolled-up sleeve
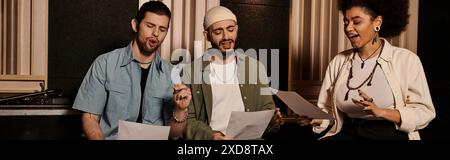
{"points": [[419, 109], [92, 94]]}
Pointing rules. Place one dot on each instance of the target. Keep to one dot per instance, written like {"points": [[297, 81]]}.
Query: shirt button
{"points": [[198, 92], [242, 86], [245, 98], [248, 110]]}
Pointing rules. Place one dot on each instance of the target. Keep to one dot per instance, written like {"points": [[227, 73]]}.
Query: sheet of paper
{"points": [[175, 74], [301, 106], [139, 131], [248, 125]]}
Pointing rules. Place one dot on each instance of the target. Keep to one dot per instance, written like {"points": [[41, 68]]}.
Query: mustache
{"points": [[226, 40], [153, 39]]}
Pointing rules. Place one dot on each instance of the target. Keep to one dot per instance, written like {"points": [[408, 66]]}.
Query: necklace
{"points": [[368, 79], [371, 55], [143, 62]]}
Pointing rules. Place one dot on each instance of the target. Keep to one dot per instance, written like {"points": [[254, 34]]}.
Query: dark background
{"points": [[434, 33], [81, 30], [264, 24]]}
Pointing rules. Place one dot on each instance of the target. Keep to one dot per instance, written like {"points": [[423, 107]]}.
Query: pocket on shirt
{"points": [[118, 87], [154, 113], [163, 91], [118, 98], [160, 102]]}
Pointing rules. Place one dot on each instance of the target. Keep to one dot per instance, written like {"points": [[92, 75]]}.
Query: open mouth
{"points": [[353, 37], [152, 42], [227, 44]]}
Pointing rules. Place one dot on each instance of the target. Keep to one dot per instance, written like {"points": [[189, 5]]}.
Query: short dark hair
{"points": [[394, 12], [155, 7]]}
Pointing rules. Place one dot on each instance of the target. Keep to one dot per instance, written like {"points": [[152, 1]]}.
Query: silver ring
{"points": [[370, 100]]}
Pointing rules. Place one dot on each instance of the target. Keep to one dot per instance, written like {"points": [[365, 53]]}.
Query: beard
{"points": [[228, 52], [144, 45]]}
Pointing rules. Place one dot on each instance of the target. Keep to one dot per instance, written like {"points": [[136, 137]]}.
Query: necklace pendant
{"points": [[362, 65]]}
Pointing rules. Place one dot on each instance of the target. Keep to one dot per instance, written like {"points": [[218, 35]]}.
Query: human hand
{"points": [[277, 119], [219, 136], [368, 105], [306, 121], [182, 96]]}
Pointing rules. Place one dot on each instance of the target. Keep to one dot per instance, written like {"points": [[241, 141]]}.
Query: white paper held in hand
{"points": [[139, 131], [248, 125], [301, 106]]}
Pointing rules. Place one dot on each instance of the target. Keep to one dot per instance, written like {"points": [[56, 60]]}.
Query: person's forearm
{"points": [[91, 127], [177, 128], [392, 115]]}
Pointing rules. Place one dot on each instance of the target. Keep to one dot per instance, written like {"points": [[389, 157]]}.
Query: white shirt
{"points": [[226, 95], [379, 91]]}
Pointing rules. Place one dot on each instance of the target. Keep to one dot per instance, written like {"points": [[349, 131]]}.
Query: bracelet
{"points": [[179, 120]]}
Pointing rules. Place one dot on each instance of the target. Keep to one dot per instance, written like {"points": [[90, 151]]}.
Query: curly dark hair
{"points": [[394, 12]]}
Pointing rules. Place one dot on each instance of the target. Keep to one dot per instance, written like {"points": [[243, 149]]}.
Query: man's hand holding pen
{"points": [[182, 96]]}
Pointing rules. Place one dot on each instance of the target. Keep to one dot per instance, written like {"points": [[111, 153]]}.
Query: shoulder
{"points": [[244, 55], [341, 58], [402, 54], [200, 60], [250, 60], [398, 55], [114, 55], [344, 55], [194, 67], [195, 63], [165, 65]]}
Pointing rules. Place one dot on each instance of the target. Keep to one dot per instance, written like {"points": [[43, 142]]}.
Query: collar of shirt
{"points": [[128, 58], [387, 49]]}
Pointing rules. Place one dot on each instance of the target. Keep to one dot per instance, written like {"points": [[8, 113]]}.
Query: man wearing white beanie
{"points": [[221, 28], [224, 87]]}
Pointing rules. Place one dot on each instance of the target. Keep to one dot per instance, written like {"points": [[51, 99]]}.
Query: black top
{"points": [[144, 76]]}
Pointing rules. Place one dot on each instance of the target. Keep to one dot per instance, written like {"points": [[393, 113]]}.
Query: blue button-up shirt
{"points": [[111, 89]]}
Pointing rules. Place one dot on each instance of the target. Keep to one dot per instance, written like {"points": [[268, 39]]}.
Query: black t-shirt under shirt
{"points": [[144, 76]]}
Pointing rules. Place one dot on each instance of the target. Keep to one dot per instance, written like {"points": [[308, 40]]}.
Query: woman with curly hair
{"points": [[375, 90]]}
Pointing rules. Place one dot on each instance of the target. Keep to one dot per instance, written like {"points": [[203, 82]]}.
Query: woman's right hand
{"points": [[305, 121]]}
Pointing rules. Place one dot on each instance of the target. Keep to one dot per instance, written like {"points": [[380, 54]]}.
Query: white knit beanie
{"points": [[218, 14]]}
